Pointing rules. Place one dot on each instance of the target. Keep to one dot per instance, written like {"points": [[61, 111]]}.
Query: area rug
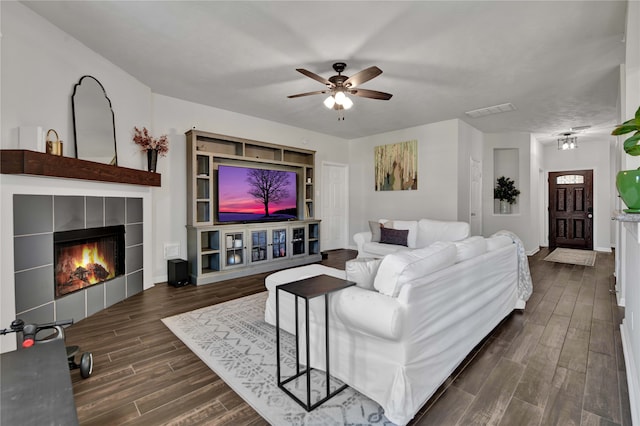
{"points": [[572, 256], [233, 339]]}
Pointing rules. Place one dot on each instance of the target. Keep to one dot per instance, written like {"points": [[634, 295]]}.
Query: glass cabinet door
{"points": [[234, 248], [258, 246], [279, 243], [297, 240]]}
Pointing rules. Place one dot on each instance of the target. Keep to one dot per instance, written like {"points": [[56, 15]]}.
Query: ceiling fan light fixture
{"points": [[329, 102], [340, 86]]}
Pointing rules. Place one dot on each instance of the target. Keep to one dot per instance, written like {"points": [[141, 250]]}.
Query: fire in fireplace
{"points": [[84, 257]]}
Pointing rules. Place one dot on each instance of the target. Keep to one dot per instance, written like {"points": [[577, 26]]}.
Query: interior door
{"points": [[335, 203], [571, 209], [475, 197]]}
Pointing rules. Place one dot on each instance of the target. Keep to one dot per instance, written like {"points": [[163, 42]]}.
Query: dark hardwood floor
{"points": [[558, 362]]}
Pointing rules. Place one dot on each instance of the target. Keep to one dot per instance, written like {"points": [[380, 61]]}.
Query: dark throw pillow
{"points": [[394, 236]]}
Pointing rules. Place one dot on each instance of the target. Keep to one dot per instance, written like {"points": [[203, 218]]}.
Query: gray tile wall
{"points": [[36, 217]]}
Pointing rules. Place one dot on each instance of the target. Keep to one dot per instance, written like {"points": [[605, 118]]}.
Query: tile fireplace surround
{"points": [[36, 218], [121, 201]]}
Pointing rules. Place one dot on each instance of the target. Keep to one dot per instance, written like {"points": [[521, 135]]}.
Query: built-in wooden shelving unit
{"points": [[221, 251]]}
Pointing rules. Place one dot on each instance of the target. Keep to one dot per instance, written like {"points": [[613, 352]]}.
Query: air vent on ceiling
{"points": [[496, 109], [579, 128]]}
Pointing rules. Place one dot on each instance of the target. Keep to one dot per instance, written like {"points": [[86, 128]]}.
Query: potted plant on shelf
{"points": [[152, 146], [628, 181], [506, 192]]}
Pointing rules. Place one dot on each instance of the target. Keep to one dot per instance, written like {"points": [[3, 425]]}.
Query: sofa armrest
{"points": [[369, 312], [360, 238]]}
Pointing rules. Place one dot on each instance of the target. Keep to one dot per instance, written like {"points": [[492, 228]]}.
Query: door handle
{"points": [[590, 216]]}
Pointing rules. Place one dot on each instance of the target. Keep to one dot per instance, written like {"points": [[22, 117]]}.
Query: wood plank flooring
{"points": [[558, 362]]}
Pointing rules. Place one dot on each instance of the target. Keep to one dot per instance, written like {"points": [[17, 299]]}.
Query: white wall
{"points": [[41, 65], [589, 155], [523, 222], [437, 193]]}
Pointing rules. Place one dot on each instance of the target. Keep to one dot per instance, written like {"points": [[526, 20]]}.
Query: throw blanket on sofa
{"points": [[525, 285]]}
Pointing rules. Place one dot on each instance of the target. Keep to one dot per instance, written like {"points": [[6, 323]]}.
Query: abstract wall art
{"points": [[396, 166]]}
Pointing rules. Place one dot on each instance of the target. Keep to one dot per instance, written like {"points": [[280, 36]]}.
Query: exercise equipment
{"points": [[33, 334]]}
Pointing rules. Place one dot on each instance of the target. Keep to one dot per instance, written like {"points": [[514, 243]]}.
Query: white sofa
{"points": [[400, 340], [421, 233]]}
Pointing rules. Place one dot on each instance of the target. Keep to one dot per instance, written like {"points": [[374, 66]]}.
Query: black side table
{"points": [[36, 386], [307, 289]]}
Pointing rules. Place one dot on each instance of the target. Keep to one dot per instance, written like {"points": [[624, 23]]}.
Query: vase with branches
{"points": [[152, 146]]}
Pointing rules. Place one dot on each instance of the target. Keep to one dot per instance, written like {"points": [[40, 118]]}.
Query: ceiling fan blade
{"points": [[315, 77], [373, 94], [362, 77], [317, 92]]}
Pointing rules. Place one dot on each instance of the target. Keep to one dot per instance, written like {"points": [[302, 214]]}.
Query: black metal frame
{"points": [[281, 383]]}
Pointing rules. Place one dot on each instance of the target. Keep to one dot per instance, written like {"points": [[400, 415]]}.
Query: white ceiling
{"points": [[556, 61]]}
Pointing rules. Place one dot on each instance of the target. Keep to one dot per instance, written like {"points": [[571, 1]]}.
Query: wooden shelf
{"points": [[20, 161]]}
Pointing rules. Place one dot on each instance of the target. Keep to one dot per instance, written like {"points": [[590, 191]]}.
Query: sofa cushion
{"points": [[409, 225], [396, 269], [381, 250], [394, 236], [430, 231], [362, 271], [369, 312], [494, 243], [470, 247]]}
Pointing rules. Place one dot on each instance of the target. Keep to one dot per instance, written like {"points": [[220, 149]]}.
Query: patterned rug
{"points": [[572, 256], [233, 339]]}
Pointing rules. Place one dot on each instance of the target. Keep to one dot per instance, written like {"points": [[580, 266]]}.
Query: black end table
{"points": [[307, 289], [36, 386]]}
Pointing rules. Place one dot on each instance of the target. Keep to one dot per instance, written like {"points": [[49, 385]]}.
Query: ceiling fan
{"points": [[340, 85]]}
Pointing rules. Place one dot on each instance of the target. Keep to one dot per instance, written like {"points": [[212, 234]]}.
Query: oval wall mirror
{"points": [[93, 122]]}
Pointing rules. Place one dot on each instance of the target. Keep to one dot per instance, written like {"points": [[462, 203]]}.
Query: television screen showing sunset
{"points": [[248, 194]]}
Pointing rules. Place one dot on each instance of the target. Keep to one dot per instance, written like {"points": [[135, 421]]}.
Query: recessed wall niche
{"points": [[37, 217], [506, 163]]}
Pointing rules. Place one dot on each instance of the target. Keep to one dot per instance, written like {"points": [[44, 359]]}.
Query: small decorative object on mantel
{"points": [[506, 192], [628, 181], [54, 146], [153, 146]]}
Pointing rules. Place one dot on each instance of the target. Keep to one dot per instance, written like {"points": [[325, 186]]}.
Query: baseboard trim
{"points": [[602, 249], [632, 374]]}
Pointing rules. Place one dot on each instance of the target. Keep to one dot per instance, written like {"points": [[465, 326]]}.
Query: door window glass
{"points": [[569, 179]]}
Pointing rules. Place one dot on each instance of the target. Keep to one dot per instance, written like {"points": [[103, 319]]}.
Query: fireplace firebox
{"points": [[84, 257]]}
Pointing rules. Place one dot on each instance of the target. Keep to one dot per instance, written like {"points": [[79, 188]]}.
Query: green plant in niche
{"points": [[506, 190], [631, 146]]}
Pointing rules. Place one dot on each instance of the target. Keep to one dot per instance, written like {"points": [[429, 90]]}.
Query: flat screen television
{"points": [[256, 194]]}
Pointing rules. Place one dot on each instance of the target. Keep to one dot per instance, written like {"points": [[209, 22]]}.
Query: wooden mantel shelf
{"points": [[20, 161]]}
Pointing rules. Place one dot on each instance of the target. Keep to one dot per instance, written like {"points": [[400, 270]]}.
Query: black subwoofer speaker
{"points": [[178, 272]]}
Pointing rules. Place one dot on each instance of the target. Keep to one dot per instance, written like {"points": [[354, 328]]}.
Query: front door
{"points": [[571, 209]]}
